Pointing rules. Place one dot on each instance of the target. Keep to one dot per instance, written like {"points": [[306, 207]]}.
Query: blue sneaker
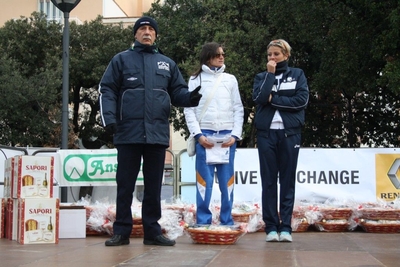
{"points": [[272, 237], [285, 237]]}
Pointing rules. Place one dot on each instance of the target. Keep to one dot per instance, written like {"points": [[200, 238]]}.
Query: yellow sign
{"points": [[387, 176]]}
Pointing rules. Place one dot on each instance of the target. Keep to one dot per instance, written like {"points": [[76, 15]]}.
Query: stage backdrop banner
{"points": [[84, 167], [361, 175]]}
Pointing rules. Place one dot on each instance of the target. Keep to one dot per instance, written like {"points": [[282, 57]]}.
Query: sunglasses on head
{"points": [[276, 42]]}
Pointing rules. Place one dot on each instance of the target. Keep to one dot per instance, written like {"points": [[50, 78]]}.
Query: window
{"points": [[51, 11]]}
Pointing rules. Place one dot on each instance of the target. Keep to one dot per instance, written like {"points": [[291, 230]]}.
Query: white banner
{"points": [[345, 174]]}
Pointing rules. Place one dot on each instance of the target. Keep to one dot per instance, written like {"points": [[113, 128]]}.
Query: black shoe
{"points": [[117, 240], [159, 241]]}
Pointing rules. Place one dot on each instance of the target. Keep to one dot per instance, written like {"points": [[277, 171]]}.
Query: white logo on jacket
{"points": [[162, 65], [289, 85]]}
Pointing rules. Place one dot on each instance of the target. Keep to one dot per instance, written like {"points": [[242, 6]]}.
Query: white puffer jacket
{"points": [[225, 110]]}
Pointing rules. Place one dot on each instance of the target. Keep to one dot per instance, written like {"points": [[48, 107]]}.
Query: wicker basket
{"points": [[203, 236], [137, 221], [177, 208], [90, 232], [379, 214], [137, 230], [332, 226], [336, 213], [88, 211], [242, 217], [298, 214], [301, 227], [383, 228]]}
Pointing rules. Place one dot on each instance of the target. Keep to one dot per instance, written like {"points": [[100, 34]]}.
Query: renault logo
{"points": [[394, 173]]}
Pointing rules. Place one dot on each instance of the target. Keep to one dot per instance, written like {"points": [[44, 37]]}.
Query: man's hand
{"points": [[111, 128], [195, 96]]}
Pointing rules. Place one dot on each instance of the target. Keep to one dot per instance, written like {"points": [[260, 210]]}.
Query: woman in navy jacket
{"points": [[281, 94]]}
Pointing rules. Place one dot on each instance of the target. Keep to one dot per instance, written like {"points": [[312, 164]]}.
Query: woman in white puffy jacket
{"points": [[216, 123]]}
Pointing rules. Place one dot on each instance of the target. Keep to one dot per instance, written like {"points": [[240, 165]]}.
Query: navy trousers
{"points": [[278, 156], [129, 161]]}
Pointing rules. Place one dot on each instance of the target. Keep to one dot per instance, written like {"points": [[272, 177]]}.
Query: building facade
{"points": [[113, 11]]}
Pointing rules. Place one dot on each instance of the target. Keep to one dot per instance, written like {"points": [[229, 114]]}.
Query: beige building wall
{"points": [[15, 9], [86, 10]]}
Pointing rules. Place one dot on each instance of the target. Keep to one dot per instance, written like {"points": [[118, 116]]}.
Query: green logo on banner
{"points": [[90, 167]]}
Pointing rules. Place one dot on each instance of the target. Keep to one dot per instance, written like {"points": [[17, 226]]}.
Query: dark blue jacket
{"points": [[291, 99], [136, 92]]}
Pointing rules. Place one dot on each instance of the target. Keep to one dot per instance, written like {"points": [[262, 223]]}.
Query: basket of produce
{"points": [[333, 213], [379, 214], [89, 211], [137, 230], [299, 225], [137, 220], [92, 232], [242, 216], [242, 212], [175, 207], [380, 226], [217, 235], [298, 214], [332, 225]]}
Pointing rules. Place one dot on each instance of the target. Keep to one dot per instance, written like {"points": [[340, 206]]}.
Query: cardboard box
{"points": [[13, 218], [38, 220], [2, 217], [33, 177], [8, 176], [7, 233], [72, 222]]}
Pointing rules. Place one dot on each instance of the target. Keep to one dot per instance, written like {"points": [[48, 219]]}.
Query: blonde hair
{"points": [[282, 44]]}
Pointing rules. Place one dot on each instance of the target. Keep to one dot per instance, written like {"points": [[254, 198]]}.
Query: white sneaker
{"points": [[272, 237], [285, 237]]}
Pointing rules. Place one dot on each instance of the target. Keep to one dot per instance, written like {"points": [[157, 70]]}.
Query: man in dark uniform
{"points": [[136, 93]]}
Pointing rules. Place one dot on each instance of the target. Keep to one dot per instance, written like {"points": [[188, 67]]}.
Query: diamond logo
{"points": [[394, 173]]}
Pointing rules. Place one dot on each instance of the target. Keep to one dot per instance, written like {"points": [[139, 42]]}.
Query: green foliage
{"points": [[346, 105], [93, 45], [28, 79], [32, 73], [27, 110], [185, 25], [31, 41], [349, 50]]}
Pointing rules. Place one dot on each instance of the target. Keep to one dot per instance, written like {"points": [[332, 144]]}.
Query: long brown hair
{"points": [[208, 51]]}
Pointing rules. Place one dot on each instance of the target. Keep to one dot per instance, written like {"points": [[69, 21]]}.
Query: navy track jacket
{"points": [[291, 99], [136, 92]]}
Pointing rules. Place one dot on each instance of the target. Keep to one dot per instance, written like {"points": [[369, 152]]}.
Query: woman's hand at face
{"points": [[271, 66]]}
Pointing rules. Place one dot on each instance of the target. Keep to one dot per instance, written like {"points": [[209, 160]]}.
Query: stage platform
{"points": [[308, 249]]}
